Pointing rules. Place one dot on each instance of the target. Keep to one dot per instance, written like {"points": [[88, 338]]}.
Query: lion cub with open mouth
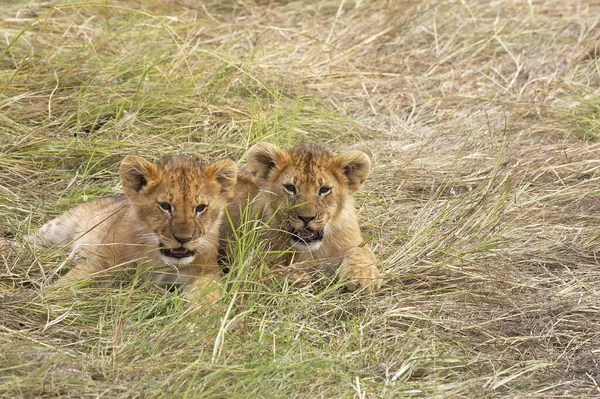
{"points": [[305, 196], [167, 221]]}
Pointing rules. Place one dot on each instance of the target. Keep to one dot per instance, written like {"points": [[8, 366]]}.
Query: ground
{"points": [[481, 119]]}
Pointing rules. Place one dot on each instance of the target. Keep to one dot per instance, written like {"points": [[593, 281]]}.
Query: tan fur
{"points": [[132, 229], [309, 168]]}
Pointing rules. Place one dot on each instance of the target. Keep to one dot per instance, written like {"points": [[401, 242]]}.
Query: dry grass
{"points": [[482, 122]]}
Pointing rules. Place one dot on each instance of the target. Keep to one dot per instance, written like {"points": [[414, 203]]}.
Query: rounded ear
{"points": [[356, 166], [225, 173], [136, 173], [263, 157]]}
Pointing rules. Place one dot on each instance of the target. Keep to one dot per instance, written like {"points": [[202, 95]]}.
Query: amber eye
{"points": [[324, 191], [165, 206], [290, 188], [201, 208]]}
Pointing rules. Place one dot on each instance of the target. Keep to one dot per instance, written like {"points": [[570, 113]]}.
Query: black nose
{"points": [[182, 240], [306, 219]]}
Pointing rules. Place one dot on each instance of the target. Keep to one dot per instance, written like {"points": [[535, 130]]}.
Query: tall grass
{"points": [[480, 119]]}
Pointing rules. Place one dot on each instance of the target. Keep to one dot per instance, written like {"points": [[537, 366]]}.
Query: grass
{"points": [[481, 122]]}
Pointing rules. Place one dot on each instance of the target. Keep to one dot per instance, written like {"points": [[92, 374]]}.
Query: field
{"points": [[482, 120]]}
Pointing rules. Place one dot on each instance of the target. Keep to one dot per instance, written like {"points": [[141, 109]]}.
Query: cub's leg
{"points": [[83, 269], [359, 267], [61, 229]]}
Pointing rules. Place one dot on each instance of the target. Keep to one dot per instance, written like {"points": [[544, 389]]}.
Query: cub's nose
{"points": [[182, 240], [306, 219]]}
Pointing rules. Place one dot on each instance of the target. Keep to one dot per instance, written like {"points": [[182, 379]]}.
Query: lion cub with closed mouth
{"points": [[166, 221], [305, 195]]}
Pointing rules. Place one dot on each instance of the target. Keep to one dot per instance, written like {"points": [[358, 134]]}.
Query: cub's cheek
{"points": [[152, 221], [204, 224]]}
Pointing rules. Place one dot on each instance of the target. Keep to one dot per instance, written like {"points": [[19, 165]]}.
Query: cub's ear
{"points": [[263, 157], [136, 173], [356, 166], [225, 173]]}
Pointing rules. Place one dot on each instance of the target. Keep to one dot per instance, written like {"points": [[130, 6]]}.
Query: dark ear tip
{"points": [[264, 157], [356, 167], [135, 172], [226, 165], [225, 172]]}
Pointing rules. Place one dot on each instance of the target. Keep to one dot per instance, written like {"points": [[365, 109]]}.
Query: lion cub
{"points": [[305, 196], [168, 220]]}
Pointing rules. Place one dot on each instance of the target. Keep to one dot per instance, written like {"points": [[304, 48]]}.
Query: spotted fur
{"points": [[305, 194], [157, 222]]}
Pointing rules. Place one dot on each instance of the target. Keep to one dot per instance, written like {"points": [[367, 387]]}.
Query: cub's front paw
{"points": [[359, 268], [205, 290]]}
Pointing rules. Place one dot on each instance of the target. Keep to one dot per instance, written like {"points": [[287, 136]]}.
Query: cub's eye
{"points": [[324, 191], [165, 206], [201, 208], [290, 188]]}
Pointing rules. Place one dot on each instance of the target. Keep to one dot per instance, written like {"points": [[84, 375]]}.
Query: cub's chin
{"points": [[306, 239]]}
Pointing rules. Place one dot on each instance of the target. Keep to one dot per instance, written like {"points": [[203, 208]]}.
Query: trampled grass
{"points": [[481, 120]]}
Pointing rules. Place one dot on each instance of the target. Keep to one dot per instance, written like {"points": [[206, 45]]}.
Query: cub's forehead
{"points": [[310, 164], [178, 164], [185, 181], [309, 154]]}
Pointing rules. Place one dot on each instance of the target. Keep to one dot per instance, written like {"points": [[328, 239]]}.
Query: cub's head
{"points": [[179, 200], [309, 186]]}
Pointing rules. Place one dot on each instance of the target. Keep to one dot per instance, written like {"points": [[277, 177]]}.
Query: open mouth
{"points": [[177, 253], [306, 235]]}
